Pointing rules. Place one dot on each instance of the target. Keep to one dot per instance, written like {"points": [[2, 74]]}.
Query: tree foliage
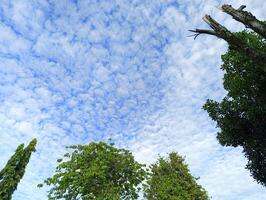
{"points": [[241, 115], [170, 179], [14, 170], [96, 171]]}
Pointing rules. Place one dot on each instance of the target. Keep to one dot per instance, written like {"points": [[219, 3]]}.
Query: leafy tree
{"points": [[241, 115], [96, 171], [14, 170], [170, 179]]}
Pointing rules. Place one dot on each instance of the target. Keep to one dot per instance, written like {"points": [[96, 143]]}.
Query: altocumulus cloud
{"points": [[79, 71]]}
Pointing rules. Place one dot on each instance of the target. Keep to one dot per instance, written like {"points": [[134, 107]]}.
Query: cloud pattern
{"points": [[75, 71]]}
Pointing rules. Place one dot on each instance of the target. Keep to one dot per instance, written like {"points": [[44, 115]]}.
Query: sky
{"points": [[77, 71]]}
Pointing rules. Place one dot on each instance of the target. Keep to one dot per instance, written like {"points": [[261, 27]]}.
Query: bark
{"points": [[249, 20], [221, 32]]}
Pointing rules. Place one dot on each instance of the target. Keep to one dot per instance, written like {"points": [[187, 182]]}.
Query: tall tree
{"points": [[170, 179], [241, 115], [96, 171], [14, 170]]}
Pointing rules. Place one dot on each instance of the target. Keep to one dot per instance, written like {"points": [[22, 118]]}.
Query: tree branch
{"points": [[234, 42], [242, 7], [201, 31], [249, 20]]}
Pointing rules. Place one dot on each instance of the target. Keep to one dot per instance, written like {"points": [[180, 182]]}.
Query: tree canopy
{"points": [[241, 115], [14, 170], [170, 179], [96, 171]]}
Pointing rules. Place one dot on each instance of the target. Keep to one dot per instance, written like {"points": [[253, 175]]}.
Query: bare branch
{"points": [[201, 31], [222, 32], [246, 18], [242, 7]]}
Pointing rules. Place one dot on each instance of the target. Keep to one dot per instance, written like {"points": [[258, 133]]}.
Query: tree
{"points": [[170, 179], [241, 115], [96, 171], [14, 170]]}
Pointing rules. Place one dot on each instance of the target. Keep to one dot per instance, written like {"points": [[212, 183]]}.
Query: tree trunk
{"points": [[249, 20]]}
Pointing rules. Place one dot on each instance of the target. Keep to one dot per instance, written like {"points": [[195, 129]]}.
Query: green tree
{"points": [[241, 115], [96, 171], [14, 170], [170, 179]]}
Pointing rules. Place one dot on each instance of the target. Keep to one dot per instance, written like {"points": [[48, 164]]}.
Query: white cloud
{"points": [[77, 72]]}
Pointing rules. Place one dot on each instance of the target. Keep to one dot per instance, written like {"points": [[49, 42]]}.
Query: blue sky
{"points": [[78, 71]]}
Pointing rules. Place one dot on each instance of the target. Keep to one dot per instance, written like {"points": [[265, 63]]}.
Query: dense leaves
{"points": [[170, 179], [241, 115], [96, 171], [14, 170]]}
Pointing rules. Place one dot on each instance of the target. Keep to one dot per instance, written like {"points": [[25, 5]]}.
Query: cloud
{"points": [[79, 71]]}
